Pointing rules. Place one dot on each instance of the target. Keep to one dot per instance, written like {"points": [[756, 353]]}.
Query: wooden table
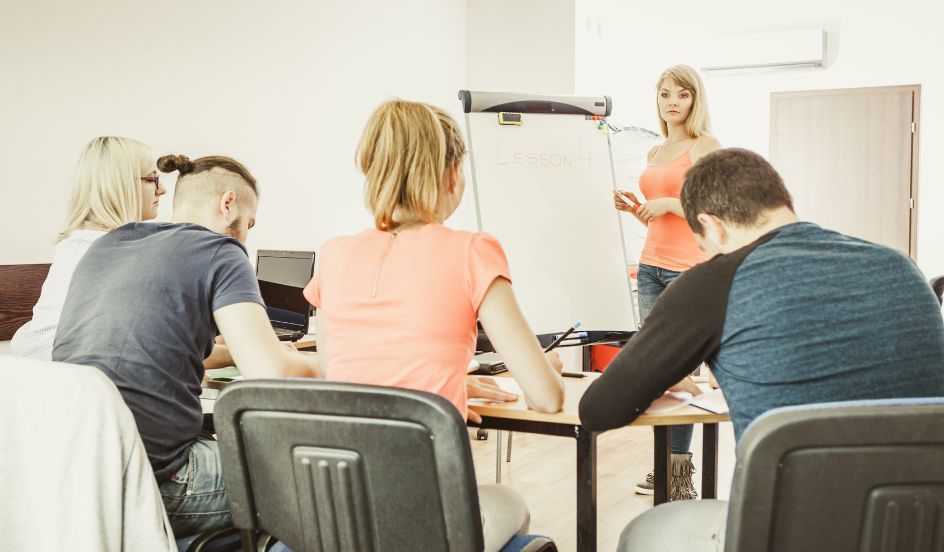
{"points": [[516, 416]]}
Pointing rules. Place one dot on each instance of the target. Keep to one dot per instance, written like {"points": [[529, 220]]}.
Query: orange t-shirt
{"points": [[670, 243], [399, 309]]}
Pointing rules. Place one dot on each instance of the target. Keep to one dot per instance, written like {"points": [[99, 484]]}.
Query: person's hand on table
{"points": [[688, 385], [485, 388]]}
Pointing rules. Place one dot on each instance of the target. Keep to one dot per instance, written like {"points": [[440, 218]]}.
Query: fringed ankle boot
{"points": [[682, 470]]}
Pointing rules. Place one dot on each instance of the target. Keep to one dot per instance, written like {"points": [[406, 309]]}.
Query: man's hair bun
{"points": [[171, 163]]}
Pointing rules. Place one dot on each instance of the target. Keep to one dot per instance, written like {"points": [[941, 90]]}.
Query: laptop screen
{"points": [[282, 276]]}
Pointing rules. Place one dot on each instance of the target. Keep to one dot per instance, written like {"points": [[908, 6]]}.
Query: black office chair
{"points": [[327, 466], [937, 284], [864, 476]]}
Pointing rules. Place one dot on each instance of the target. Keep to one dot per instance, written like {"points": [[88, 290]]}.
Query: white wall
{"points": [[521, 46], [283, 87], [287, 90], [623, 47]]}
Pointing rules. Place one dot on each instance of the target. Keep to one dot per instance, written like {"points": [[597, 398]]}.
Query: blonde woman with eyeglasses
{"points": [[115, 183]]}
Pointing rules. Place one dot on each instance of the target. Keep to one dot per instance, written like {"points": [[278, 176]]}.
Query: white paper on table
{"points": [[712, 401], [505, 384], [668, 402]]}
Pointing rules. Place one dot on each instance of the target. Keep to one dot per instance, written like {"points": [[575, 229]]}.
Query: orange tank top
{"points": [[670, 243]]}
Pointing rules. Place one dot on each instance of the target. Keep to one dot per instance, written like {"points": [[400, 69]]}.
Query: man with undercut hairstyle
{"points": [[145, 305], [786, 313]]}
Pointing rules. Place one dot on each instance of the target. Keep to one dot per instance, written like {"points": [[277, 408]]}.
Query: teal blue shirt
{"points": [[803, 315]]}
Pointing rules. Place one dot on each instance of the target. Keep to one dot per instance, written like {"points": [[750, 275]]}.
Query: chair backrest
{"points": [[863, 475], [328, 466], [20, 286], [937, 284], [75, 472]]}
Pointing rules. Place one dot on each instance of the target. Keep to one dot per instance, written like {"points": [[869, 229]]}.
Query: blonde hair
{"points": [[404, 153], [106, 192], [698, 123]]}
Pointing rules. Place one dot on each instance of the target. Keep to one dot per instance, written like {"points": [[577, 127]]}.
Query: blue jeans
{"points": [[195, 497], [651, 281]]}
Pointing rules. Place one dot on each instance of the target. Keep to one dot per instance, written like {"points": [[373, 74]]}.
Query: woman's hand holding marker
{"points": [[625, 201]]}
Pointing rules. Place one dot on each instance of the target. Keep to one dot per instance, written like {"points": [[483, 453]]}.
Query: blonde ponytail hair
{"points": [[106, 192], [404, 153]]}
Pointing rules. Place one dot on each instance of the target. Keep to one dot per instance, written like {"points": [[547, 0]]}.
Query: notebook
{"points": [[712, 401], [282, 277]]}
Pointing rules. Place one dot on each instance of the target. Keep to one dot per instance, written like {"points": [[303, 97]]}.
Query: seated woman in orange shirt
{"points": [[398, 303]]}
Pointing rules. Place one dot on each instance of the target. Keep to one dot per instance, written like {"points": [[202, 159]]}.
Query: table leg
{"points": [[498, 451], [662, 467], [709, 463], [586, 490]]}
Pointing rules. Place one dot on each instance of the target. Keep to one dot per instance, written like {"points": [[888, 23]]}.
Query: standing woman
{"points": [[670, 247], [115, 183]]}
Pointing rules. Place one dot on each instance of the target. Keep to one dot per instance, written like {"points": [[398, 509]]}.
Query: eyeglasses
{"points": [[156, 180]]}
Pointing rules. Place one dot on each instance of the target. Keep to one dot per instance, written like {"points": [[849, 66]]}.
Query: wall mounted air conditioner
{"points": [[773, 50]]}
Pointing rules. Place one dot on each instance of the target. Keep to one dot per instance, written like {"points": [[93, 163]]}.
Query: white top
{"points": [[35, 338], [75, 473]]}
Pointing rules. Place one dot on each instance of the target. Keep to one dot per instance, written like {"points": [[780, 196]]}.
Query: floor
{"points": [[543, 470]]}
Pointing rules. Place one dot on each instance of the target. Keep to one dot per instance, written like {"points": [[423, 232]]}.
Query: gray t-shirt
{"points": [[140, 308]]}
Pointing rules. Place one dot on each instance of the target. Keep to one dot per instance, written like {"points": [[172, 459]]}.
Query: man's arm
{"points": [[255, 349], [683, 330]]}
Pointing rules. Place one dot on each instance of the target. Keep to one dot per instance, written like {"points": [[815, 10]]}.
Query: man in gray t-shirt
{"points": [[144, 306]]}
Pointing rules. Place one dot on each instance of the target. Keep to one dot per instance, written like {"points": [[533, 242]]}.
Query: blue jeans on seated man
{"points": [[651, 281], [195, 497]]}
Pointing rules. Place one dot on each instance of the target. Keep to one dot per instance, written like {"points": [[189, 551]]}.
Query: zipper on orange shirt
{"points": [[380, 263]]}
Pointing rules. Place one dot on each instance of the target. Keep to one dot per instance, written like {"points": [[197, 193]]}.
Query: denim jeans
{"points": [[195, 497], [651, 281]]}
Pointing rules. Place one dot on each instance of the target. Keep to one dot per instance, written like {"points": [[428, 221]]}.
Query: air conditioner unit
{"points": [[773, 50]]}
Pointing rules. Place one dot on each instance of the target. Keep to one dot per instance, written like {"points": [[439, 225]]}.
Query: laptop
{"points": [[282, 277]]}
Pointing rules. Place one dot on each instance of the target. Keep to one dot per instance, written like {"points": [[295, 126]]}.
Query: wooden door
{"points": [[849, 158]]}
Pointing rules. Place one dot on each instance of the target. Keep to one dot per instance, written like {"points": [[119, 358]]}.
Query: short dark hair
{"points": [[733, 184]]}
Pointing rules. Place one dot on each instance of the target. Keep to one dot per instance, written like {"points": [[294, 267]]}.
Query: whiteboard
{"points": [[545, 190], [630, 148]]}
